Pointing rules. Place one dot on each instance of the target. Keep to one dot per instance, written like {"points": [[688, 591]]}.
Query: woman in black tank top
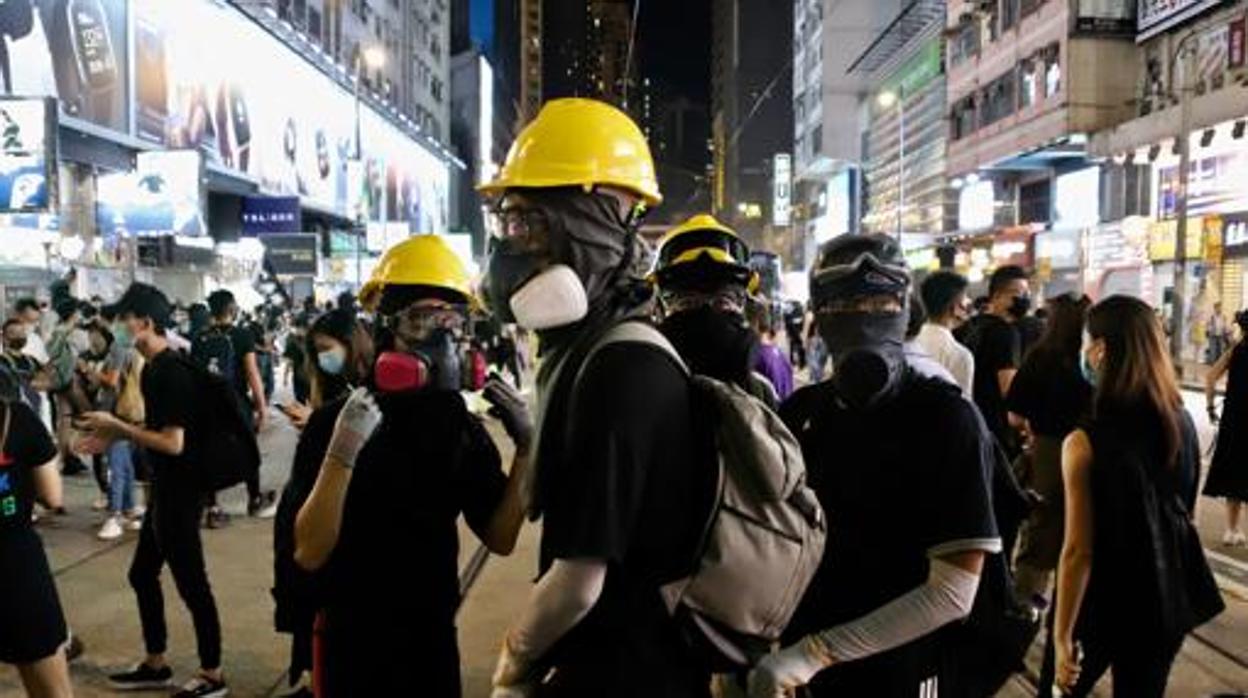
{"points": [[1125, 593]]}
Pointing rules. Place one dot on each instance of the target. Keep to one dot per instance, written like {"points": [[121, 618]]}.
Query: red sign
{"points": [[1235, 44]]}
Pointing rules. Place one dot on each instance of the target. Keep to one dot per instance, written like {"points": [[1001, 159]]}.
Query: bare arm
{"points": [[47, 482], [1005, 377], [170, 440], [504, 526], [1075, 564], [1216, 372], [256, 385], [319, 521]]}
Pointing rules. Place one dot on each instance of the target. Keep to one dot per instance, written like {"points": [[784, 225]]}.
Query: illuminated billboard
{"points": [[162, 196], [260, 109], [74, 50], [27, 154]]}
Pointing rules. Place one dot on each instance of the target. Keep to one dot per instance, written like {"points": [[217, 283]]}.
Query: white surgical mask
{"points": [[554, 298], [331, 361]]}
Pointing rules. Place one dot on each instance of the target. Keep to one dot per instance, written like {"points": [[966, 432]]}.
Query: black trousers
{"points": [[1141, 668], [170, 535]]}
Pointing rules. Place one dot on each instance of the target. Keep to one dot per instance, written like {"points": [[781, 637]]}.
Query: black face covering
{"points": [[868, 354], [586, 232], [714, 343], [1021, 306]]}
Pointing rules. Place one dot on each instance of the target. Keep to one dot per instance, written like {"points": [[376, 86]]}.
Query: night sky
{"points": [[675, 40]]}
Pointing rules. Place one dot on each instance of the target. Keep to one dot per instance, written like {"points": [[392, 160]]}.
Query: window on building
{"points": [[1009, 14], [435, 89], [816, 141], [964, 44], [314, 24], [799, 107], [998, 99], [1035, 202], [1027, 7], [964, 117], [1026, 83], [1052, 70]]}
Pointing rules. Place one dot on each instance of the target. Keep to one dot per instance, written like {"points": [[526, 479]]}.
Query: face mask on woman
{"points": [[332, 361]]}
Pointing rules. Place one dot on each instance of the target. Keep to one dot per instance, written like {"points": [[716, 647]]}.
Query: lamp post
{"points": [[887, 100], [374, 57]]}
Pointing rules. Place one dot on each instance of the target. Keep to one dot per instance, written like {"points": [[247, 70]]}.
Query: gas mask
{"points": [[860, 286], [560, 250], [711, 334], [868, 353], [433, 359]]}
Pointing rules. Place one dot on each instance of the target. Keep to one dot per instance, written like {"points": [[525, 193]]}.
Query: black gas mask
{"points": [[711, 333], [860, 291], [434, 355]]}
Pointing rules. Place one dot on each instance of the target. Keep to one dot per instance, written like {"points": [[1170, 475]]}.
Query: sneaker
{"points": [[134, 523], [263, 506], [216, 518], [111, 530], [100, 504], [73, 647], [1232, 538], [142, 678], [1239, 539], [203, 687]]}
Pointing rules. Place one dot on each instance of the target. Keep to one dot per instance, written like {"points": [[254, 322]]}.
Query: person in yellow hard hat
{"points": [[384, 473], [619, 481], [705, 282]]}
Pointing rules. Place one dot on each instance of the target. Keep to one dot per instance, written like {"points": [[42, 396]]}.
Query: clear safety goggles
{"points": [[725, 301], [419, 321], [862, 277]]}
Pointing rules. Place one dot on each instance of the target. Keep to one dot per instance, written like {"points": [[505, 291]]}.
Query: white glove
{"points": [[356, 423], [778, 675]]}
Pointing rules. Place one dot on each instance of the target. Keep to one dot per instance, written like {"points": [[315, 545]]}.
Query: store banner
{"points": [[1156, 16], [28, 142], [923, 67], [292, 254], [1106, 17], [271, 214], [257, 108], [162, 196], [782, 190], [1235, 235], [74, 50], [1235, 43], [1203, 239]]}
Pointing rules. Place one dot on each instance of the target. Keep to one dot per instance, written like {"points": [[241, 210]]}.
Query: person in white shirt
{"points": [[944, 297], [27, 310]]}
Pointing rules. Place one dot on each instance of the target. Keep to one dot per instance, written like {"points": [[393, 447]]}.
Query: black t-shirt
{"points": [[900, 484], [391, 586], [996, 346], [244, 342], [632, 486], [1050, 393], [28, 446], [167, 385]]}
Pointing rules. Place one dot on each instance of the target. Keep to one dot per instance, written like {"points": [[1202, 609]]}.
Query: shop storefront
{"points": [[1059, 263], [976, 257], [1234, 263], [1201, 283], [1117, 261], [171, 145]]}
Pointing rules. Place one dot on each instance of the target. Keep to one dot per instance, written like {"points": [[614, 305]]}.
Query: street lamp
{"points": [[887, 100], [373, 57]]}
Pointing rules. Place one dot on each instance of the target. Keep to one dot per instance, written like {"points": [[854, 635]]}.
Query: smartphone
{"points": [[93, 44]]}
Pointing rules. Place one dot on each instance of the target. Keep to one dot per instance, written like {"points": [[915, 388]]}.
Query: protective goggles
{"points": [[725, 301], [419, 322], [526, 226], [864, 276]]}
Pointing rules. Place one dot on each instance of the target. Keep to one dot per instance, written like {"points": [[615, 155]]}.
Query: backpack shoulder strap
{"points": [[635, 332]]}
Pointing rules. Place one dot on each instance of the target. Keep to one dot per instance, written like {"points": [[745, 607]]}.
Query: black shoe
{"points": [[142, 678], [73, 648], [216, 518], [202, 687], [73, 466]]}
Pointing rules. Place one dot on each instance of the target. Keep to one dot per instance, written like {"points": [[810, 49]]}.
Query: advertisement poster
{"points": [[74, 50], [162, 196], [1115, 17], [1156, 16], [287, 126], [271, 214], [27, 154]]}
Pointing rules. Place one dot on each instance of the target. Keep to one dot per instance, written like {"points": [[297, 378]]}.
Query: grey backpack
{"points": [[765, 535]]}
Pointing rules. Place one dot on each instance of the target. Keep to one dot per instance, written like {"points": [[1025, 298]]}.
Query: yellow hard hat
{"points": [[579, 142], [702, 247], [420, 260]]}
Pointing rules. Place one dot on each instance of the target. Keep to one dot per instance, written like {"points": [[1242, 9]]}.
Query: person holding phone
{"points": [[340, 352], [401, 459]]}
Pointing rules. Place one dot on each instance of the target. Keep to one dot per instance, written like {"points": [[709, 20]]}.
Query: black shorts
{"points": [[32, 626]]}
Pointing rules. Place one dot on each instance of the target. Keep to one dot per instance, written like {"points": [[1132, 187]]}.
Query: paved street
{"points": [[101, 609]]}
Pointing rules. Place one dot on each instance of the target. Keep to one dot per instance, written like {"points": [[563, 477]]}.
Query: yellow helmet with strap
{"points": [[579, 142], [703, 250], [420, 260]]}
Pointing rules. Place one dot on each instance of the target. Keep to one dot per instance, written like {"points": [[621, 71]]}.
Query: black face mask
{"points": [[714, 343], [1021, 306], [868, 354], [507, 269]]}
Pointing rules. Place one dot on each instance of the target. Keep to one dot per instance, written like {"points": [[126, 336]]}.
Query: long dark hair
{"points": [[1137, 375], [343, 326], [1063, 333]]}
